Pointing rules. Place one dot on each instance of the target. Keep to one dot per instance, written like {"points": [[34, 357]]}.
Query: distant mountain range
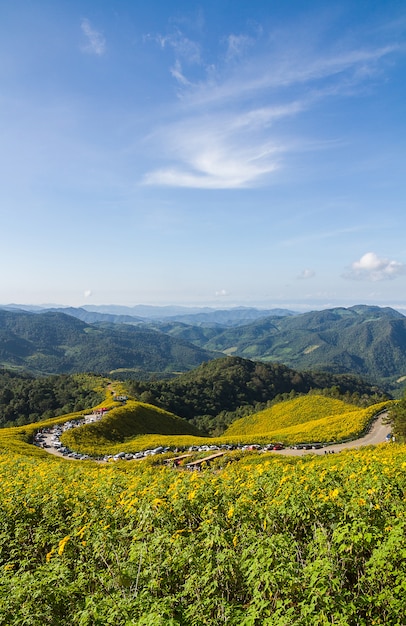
{"points": [[57, 343], [142, 313], [365, 340]]}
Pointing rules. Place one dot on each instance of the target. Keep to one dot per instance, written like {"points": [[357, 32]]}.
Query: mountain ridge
{"points": [[369, 341], [53, 342]]}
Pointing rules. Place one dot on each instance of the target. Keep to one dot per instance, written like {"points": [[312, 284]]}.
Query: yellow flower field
{"points": [[267, 540], [305, 419]]}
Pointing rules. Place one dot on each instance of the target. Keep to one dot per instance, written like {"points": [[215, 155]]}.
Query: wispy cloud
{"points": [[220, 151], [371, 267], [182, 46], [268, 74], [186, 52], [225, 129], [95, 41], [237, 45]]}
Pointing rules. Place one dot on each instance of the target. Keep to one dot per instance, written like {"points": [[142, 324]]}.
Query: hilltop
{"points": [[127, 423], [307, 418]]}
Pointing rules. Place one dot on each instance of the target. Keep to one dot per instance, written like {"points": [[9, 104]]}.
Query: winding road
{"points": [[377, 434]]}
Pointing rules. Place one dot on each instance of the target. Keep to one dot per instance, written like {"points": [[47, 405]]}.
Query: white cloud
{"points": [[224, 141], [221, 293], [220, 152], [96, 43], [257, 75], [186, 51], [306, 274], [370, 267], [87, 293], [177, 73]]}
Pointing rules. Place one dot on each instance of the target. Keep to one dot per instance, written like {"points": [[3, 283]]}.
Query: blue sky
{"points": [[217, 153]]}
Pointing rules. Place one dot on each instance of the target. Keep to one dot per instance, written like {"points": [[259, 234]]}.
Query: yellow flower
{"points": [[9, 566], [81, 531], [156, 502], [230, 512], [49, 555], [62, 544], [333, 494]]}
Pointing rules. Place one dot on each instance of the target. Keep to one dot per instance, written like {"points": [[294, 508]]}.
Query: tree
{"points": [[397, 418]]}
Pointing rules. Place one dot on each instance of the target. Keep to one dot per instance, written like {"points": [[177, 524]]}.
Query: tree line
{"points": [[218, 392], [25, 399]]}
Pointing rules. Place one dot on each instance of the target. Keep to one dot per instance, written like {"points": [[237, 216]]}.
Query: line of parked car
{"points": [[50, 438]]}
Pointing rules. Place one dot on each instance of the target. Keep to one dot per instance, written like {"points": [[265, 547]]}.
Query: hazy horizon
{"points": [[296, 307]]}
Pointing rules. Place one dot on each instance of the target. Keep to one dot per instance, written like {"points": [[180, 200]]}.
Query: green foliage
{"points": [[24, 399], [397, 418], [364, 340], [44, 343], [220, 391], [368, 341]]}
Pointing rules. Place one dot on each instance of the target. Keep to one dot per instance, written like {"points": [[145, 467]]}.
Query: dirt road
{"points": [[377, 434]]}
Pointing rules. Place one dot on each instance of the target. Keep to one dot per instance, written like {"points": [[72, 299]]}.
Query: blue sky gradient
{"points": [[217, 153]]}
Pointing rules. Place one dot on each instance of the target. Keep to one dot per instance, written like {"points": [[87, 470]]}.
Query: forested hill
{"points": [[214, 394], [55, 343], [25, 399], [365, 340]]}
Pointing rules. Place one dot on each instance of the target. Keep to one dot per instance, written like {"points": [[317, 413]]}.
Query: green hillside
{"points": [[217, 392], [365, 340], [203, 317], [25, 399], [362, 340], [55, 343]]}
